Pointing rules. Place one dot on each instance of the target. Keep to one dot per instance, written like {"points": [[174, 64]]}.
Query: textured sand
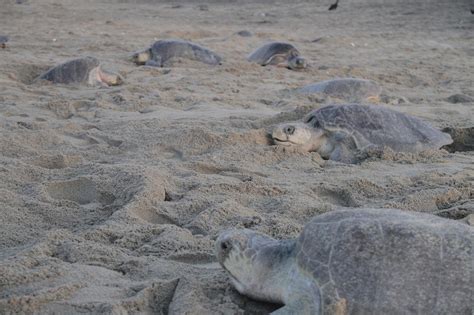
{"points": [[111, 198]]}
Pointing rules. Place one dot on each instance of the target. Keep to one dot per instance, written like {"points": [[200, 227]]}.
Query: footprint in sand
{"points": [[81, 190], [58, 161]]}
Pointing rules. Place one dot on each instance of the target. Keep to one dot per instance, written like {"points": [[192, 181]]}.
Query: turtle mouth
{"points": [[282, 142], [237, 284], [297, 66]]}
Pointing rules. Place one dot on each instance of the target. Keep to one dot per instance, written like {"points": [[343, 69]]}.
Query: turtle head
{"points": [[110, 78], [297, 63], [141, 57], [98, 76], [254, 262], [298, 134]]}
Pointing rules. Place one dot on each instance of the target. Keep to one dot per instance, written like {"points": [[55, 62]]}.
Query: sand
{"points": [[111, 198]]}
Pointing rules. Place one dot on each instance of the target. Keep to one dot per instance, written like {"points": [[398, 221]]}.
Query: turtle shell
{"points": [[73, 71], [371, 125], [164, 50], [348, 89], [264, 54], [388, 261]]}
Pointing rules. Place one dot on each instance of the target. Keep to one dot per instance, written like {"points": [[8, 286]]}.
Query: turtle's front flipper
{"points": [[156, 61], [301, 296], [152, 63], [343, 154], [302, 305], [277, 60]]}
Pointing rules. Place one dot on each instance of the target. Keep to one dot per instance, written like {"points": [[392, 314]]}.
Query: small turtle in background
{"points": [[3, 41], [86, 70], [341, 132], [357, 261], [463, 139], [244, 33], [347, 89], [278, 53], [333, 6], [162, 53]]}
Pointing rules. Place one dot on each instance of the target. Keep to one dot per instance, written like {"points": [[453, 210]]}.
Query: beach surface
{"points": [[111, 198]]}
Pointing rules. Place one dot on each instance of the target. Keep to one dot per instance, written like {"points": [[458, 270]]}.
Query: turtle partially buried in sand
{"points": [[357, 261], [278, 53], [85, 70], [342, 132], [347, 89], [163, 52]]}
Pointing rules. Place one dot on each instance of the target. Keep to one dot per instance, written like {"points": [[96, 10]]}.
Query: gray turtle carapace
{"points": [[357, 261], [162, 53], [347, 89]]}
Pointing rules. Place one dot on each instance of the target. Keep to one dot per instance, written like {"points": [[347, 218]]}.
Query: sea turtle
{"points": [[341, 132], [357, 261], [278, 53], [3, 41], [347, 89], [244, 33], [162, 52], [463, 139], [82, 70]]}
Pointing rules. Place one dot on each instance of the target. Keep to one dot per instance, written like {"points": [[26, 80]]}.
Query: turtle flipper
{"points": [[301, 297], [342, 154], [276, 60], [156, 61], [152, 63], [300, 306]]}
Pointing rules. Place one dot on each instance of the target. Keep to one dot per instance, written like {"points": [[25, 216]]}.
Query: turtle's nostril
{"points": [[289, 130]]}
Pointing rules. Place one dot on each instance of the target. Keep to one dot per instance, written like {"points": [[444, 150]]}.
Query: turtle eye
{"points": [[225, 245], [289, 130]]}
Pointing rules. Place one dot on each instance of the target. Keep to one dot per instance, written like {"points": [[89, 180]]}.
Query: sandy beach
{"points": [[111, 198]]}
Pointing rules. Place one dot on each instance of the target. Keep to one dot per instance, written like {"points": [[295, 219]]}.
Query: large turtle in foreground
{"points": [[357, 261], [278, 53], [347, 89], [342, 132], [85, 70], [163, 52]]}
